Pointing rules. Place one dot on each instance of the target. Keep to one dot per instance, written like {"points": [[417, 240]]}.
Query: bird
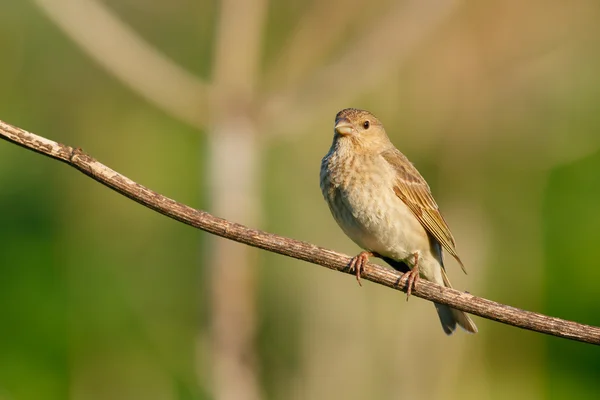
{"points": [[383, 204]]}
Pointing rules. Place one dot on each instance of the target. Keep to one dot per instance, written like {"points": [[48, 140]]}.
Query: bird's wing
{"points": [[412, 189]]}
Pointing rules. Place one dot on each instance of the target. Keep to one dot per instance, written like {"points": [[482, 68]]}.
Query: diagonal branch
{"points": [[122, 52], [294, 248]]}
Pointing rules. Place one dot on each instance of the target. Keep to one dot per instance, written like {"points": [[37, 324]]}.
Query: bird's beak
{"points": [[343, 127]]}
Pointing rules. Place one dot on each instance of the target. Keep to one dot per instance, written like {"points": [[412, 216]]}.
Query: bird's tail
{"points": [[449, 317]]}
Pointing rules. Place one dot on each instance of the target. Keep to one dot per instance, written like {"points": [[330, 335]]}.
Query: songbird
{"points": [[384, 205]]}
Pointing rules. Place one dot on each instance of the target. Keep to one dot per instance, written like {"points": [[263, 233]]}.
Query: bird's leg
{"points": [[358, 264], [412, 277]]}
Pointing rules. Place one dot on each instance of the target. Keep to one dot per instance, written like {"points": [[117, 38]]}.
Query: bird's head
{"points": [[361, 130]]}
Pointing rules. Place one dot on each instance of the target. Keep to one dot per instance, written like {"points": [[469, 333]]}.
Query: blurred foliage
{"points": [[571, 239], [102, 298]]}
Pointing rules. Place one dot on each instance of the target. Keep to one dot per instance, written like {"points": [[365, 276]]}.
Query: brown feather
{"points": [[413, 190]]}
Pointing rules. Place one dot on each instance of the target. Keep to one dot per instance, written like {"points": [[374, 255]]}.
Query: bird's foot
{"points": [[358, 263], [412, 277]]}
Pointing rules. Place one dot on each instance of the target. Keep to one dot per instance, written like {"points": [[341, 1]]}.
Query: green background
{"points": [[102, 298]]}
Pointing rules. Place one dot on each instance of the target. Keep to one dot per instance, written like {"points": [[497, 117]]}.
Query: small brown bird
{"points": [[384, 205]]}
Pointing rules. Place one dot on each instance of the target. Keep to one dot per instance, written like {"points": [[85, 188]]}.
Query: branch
{"points": [[294, 248], [122, 52]]}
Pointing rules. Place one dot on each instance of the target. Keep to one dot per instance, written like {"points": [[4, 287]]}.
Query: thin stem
{"points": [[293, 248]]}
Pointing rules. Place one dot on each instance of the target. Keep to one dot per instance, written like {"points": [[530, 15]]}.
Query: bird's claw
{"points": [[412, 277], [358, 263]]}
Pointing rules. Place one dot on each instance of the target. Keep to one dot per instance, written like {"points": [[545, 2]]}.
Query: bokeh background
{"points": [[228, 106]]}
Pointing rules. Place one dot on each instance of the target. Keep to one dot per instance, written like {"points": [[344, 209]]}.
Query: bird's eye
{"points": [[366, 124]]}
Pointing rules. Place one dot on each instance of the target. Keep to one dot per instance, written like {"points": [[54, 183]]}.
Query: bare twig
{"points": [[121, 51], [294, 248]]}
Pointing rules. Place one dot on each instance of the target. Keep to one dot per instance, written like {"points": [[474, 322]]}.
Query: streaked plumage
{"points": [[384, 205]]}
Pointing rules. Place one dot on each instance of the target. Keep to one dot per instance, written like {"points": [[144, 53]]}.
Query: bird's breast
{"points": [[360, 195]]}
